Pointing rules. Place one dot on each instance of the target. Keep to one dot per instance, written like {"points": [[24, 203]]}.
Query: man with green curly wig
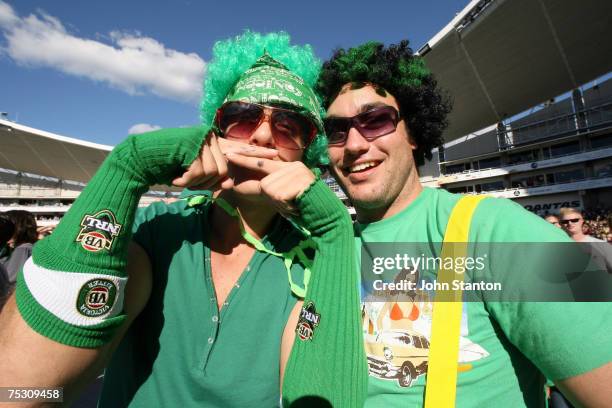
{"points": [[232, 296], [385, 113]]}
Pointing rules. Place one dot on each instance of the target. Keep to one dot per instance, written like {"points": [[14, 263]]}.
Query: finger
{"points": [[209, 165], [278, 186], [291, 176], [181, 181], [281, 202], [193, 173], [255, 163], [287, 183], [289, 170], [219, 158], [204, 171], [231, 146], [227, 184]]}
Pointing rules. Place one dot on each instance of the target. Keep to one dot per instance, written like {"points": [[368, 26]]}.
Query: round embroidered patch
{"points": [[96, 297]]}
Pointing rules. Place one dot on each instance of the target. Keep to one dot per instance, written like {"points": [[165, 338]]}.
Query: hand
{"points": [[209, 170], [44, 231], [284, 182]]}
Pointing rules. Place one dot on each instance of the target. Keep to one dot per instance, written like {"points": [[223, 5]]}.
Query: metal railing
{"points": [[559, 125], [507, 189], [564, 125]]}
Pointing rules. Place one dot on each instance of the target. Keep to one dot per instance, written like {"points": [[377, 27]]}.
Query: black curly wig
{"points": [[396, 70]]}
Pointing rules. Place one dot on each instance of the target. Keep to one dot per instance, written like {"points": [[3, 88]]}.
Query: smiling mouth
{"points": [[357, 168]]}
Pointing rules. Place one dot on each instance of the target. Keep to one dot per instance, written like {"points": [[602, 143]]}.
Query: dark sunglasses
{"points": [[371, 124], [290, 130], [572, 220]]}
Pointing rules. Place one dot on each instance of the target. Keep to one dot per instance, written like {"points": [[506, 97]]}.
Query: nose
{"points": [[262, 136], [355, 143]]}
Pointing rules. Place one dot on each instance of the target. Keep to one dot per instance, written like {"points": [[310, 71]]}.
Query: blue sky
{"points": [[95, 70]]}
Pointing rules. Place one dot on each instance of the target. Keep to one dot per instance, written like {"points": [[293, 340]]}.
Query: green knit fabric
{"points": [[47, 324], [130, 169], [128, 172], [330, 368]]}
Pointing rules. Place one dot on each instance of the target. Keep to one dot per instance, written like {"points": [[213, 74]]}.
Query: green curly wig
{"points": [[394, 69], [233, 56]]}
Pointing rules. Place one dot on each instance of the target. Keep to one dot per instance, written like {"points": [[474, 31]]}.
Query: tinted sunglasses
{"points": [[290, 130], [572, 220], [371, 124]]}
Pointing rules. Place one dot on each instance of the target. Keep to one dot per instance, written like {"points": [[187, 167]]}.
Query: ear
{"points": [[413, 144]]}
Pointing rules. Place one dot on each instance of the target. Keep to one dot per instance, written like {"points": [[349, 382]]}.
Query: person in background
{"points": [[572, 222], [598, 221], [5, 286], [24, 236], [42, 232], [553, 219], [6, 232], [7, 228]]}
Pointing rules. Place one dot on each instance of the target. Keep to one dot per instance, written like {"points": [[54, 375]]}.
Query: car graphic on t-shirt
{"points": [[404, 355], [398, 354]]}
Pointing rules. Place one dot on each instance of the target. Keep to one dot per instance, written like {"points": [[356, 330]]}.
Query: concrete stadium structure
{"points": [[558, 156]]}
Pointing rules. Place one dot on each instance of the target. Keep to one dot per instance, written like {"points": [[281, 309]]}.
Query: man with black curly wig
{"points": [[385, 113]]}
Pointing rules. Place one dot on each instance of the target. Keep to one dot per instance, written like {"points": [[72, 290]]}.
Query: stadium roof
{"points": [[498, 58], [35, 151]]}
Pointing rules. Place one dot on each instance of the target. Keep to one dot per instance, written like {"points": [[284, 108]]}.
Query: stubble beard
{"points": [[377, 198]]}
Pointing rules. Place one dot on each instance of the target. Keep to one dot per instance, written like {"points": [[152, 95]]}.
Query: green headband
{"points": [[270, 82]]}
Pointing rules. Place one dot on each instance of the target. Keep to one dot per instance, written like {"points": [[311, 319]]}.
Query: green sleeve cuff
{"points": [[112, 195], [321, 210], [50, 326]]}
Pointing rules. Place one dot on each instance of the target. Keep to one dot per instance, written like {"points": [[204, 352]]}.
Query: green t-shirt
{"points": [[505, 347], [182, 351]]}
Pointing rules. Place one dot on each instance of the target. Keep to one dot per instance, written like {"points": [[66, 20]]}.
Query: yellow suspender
{"points": [[441, 385]]}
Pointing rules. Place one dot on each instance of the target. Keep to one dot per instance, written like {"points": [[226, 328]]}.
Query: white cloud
{"points": [[131, 63], [7, 15], [142, 128]]}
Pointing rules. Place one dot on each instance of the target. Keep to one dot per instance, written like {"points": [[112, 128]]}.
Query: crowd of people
{"points": [[598, 222], [584, 225]]}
